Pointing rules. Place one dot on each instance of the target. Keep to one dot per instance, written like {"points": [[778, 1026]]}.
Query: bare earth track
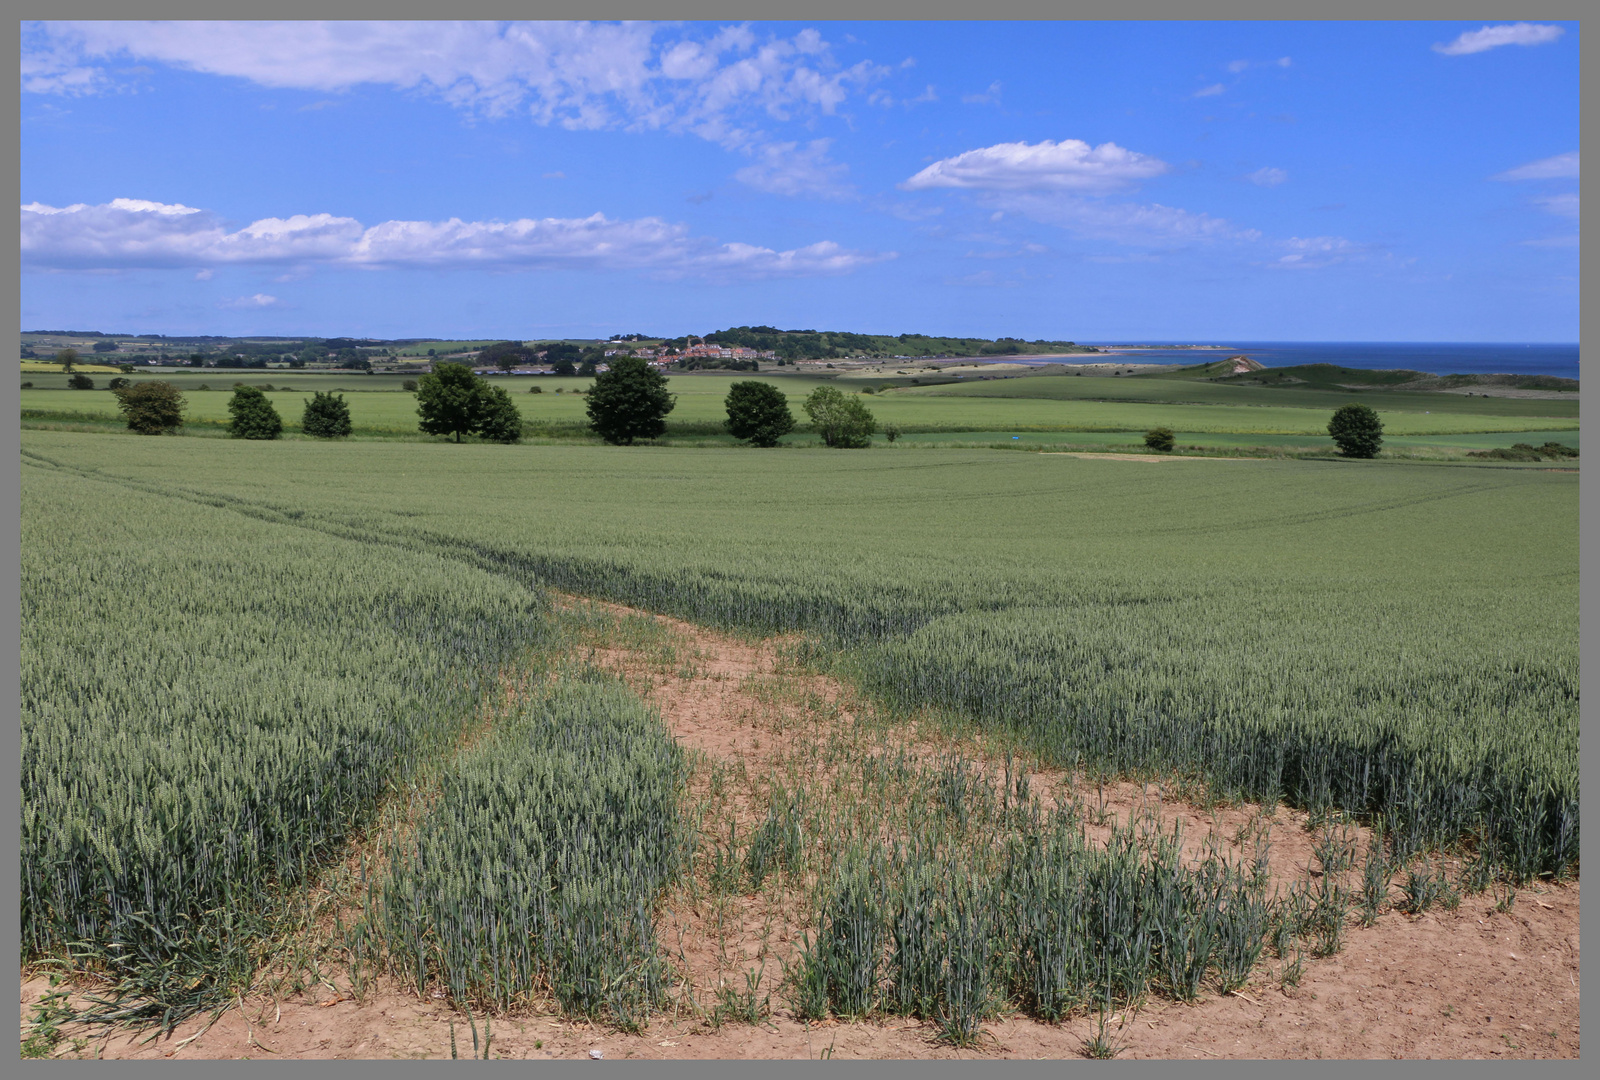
{"points": [[1472, 983]]}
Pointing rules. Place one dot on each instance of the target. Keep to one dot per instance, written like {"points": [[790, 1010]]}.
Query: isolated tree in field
{"points": [[80, 381], [253, 415], [1160, 438], [447, 400], [843, 422], [67, 358], [327, 416], [629, 402], [151, 407], [759, 412], [1357, 431], [454, 401]]}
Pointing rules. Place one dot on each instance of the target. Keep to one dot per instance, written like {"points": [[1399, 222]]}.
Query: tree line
{"points": [[628, 403]]}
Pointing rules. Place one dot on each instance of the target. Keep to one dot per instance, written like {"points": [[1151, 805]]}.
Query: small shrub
{"points": [[1160, 438], [80, 381], [1526, 452], [891, 432], [535, 389], [27, 386], [117, 384], [409, 385]]}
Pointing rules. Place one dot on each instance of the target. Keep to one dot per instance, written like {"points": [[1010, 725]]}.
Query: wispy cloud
{"points": [[136, 233], [251, 303], [1209, 91], [1559, 167], [990, 96], [1237, 67], [720, 85], [1134, 224], [1316, 252], [1268, 177], [791, 169], [1564, 205], [1070, 165], [1492, 37]]}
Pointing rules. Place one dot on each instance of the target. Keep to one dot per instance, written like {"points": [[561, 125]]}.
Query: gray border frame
{"points": [[820, 11]]}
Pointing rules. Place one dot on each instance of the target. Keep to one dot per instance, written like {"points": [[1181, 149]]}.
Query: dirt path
{"points": [[1472, 983], [1139, 457]]}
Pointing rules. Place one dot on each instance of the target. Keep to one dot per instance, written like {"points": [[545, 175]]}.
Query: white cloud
{"points": [[130, 233], [1559, 167], [251, 303], [1268, 177], [1565, 204], [1209, 91], [1237, 66], [1492, 37], [790, 169], [1068, 165], [203, 275], [632, 76]]}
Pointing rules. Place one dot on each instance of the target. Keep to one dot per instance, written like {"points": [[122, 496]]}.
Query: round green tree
{"points": [[843, 422], [455, 401], [758, 412], [151, 407], [326, 416], [253, 415], [1160, 438], [629, 402], [1356, 430]]}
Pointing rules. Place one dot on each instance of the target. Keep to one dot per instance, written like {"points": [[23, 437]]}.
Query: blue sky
{"points": [[1089, 181]]}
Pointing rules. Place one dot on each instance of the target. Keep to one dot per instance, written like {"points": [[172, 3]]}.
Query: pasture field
{"points": [[1012, 406], [1175, 390], [235, 653], [1395, 445]]}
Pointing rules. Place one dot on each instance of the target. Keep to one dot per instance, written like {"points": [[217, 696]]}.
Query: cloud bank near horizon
{"points": [[127, 234]]}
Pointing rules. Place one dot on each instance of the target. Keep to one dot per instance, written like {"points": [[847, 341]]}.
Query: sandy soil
{"points": [[1473, 983]]}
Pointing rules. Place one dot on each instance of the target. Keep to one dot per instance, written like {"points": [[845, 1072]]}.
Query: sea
{"points": [[1436, 357]]}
